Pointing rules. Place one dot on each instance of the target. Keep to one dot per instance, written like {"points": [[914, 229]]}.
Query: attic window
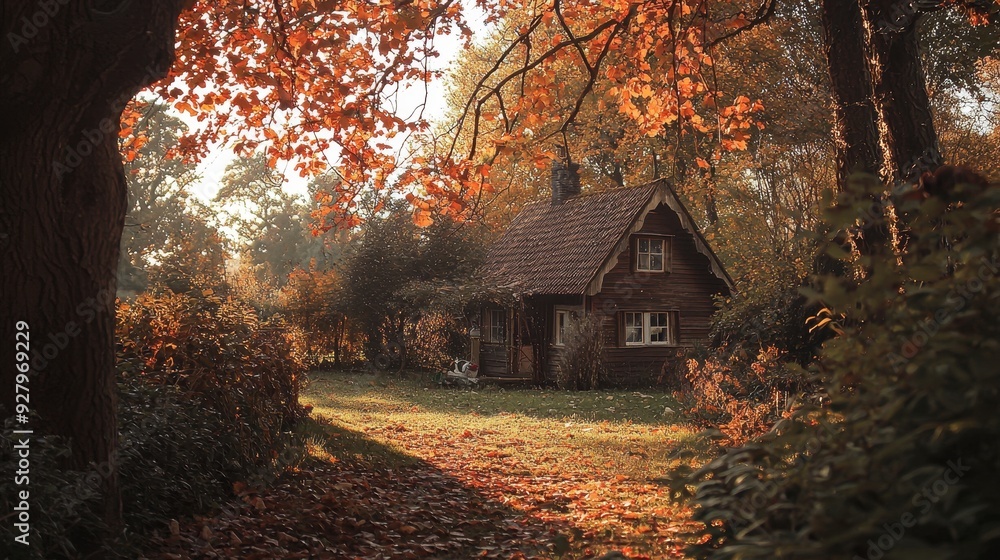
{"points": [[651, 254]]}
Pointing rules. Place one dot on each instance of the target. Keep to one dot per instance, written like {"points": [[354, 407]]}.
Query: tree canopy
{"points": [[324, 83]]}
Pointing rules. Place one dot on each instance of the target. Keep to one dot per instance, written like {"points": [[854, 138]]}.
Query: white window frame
{"points": [[641, 327], [495, 332], [648, 317], [647, 329], [664, 253], [559, 337], [559, 331]]}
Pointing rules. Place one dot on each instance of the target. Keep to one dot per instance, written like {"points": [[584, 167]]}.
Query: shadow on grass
{"points": [[326, 440], [358, 498]]}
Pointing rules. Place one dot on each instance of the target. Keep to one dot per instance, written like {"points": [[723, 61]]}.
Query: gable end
{"points": [[663, 195]]}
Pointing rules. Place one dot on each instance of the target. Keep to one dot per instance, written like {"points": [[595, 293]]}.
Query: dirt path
{"points": [[401, 471]]}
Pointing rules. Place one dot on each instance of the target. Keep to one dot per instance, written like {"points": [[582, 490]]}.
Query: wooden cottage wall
{"points": [[688, 288]]}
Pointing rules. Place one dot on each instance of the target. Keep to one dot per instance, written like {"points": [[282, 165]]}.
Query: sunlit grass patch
{"points": [[585, 461], [626, 432]]}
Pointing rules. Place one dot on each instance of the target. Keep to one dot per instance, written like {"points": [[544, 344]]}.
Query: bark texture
{"points": [[856, 134], [899, 87], [855, 118], [66, 72]]}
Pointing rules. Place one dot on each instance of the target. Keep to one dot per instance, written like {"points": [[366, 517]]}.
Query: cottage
{"points": [[632, 256]]}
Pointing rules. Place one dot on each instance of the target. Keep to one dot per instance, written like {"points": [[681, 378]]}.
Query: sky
{"points": [[213, 167]]}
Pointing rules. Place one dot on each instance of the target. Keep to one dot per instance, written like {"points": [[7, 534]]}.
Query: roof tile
{"points": [[557, 249]]}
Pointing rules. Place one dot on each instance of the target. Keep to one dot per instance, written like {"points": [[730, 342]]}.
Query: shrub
{"points": [[581, 363], [769, 311], [176, 456], [207, 396], [742, 401], [437, 339], [64, 508], [759, 340], [904, 459], [311, 301], [219, 355]]}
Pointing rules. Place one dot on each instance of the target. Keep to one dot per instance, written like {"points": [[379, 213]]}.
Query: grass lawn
{"points": [[580, 463]]}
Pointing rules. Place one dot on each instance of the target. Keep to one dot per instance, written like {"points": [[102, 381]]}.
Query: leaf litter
{"points": [[464, 492]]}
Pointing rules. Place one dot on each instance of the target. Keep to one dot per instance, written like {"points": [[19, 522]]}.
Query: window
{"points": [[562, 321], [565, 315], [633, 329], [496, 322], [659, 328], [650, 254], [649, 328]]}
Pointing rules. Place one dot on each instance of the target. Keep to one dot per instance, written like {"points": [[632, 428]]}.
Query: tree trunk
{"points": [[855, 118], [855, 129], [909, 142], [66, 73]]}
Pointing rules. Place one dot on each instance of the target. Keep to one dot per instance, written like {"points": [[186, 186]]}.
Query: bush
{"points": [[209, 396], [581, 363], [759, 341], [176, 456], [312, 303], [64, 508], [769, 311], [216, 350], [437, 339], [903, 461], [740, 401]]}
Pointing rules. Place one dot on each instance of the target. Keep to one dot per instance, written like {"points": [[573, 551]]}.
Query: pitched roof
{"points": [[560, 249]]}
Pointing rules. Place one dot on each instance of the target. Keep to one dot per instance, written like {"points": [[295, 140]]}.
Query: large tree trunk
{"points": [[66, 72], [909, 142], [855, 119]]}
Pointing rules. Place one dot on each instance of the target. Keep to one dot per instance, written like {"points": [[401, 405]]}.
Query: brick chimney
{"points": [[565, 176]]}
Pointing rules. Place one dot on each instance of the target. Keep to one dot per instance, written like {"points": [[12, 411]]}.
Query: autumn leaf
{"points": [[422, 218]]}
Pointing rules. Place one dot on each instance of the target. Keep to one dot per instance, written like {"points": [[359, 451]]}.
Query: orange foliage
{"points": [[215, 350], [304, 78], [743, 404]]}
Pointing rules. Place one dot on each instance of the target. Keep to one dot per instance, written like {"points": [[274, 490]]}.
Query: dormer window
{"points": [[651, 254]]}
